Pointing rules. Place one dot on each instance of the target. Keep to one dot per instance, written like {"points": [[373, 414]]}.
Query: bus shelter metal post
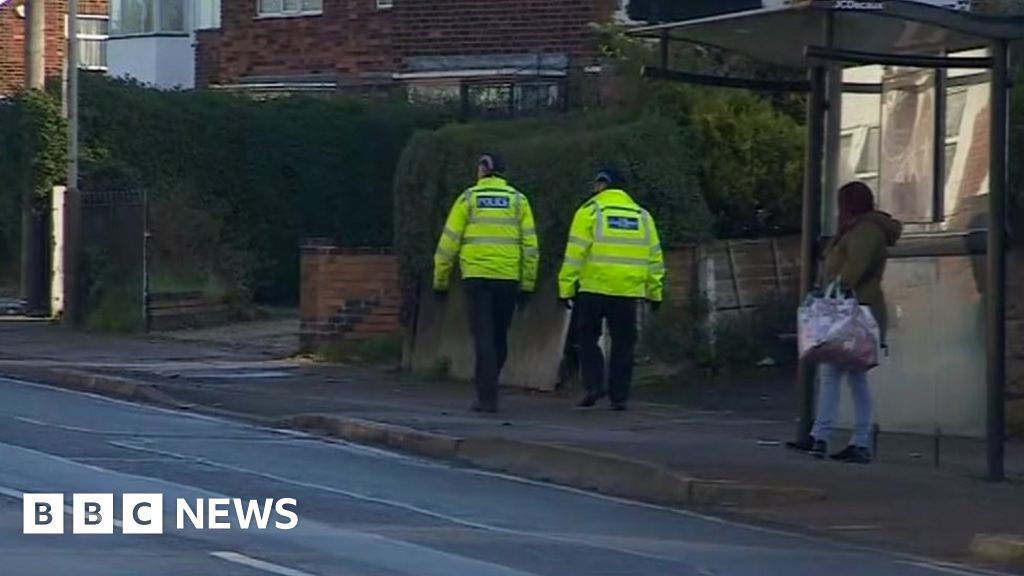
{"points": [[811, 221], [996, 269]]}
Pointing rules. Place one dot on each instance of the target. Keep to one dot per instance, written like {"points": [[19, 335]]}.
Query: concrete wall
{"points": [[739, 276], [934, 376], [441, 336]]}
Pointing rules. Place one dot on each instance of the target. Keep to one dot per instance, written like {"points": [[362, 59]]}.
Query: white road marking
{"points": [[904, 558], [19, 495], [587, 542], [953, 569], [244, 560], [337, 443]]}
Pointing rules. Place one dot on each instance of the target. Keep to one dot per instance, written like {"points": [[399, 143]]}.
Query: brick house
{"points": [[440, 49], [92, 32]]}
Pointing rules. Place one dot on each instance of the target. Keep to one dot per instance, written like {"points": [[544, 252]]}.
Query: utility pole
{"points": [[35, 44], [72, 198], [32, 219]]}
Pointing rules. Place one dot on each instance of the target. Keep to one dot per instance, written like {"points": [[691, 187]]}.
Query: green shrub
{"points": [[677, 333], [32, 160], [269, 172], [750, 145], [553, 163], [234, 184], [115, 302]]}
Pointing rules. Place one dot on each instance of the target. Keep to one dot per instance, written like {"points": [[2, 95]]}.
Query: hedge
{"points": [[32, 161], [553, 162], [236, 183]]}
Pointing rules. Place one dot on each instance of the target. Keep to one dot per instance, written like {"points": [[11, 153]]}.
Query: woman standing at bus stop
{"points": [[856, 257]]}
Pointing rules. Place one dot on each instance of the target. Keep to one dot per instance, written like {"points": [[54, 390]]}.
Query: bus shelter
{"points": [[911, 97]]}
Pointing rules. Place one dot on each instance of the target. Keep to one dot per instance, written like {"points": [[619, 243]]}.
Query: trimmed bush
{"points": [[32, 160], [234, 183], [553, 162]]}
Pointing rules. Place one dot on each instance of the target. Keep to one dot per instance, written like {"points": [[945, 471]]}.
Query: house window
{"points": [[92, 42], [278, 8], [868, 156], [134, 17], [206, 14], [385, 4], [956, 103]]}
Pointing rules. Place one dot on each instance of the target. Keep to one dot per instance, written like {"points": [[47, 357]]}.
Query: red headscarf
{"points": [[855, 199]]}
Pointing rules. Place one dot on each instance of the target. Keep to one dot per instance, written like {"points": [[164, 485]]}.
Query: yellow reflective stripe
{"points": [[573, 261], [624, 241], [531, 251], [494, 240], [578, 241], [452, 235], [445, 253], [501, 220], [529, 231], [624, 260]]}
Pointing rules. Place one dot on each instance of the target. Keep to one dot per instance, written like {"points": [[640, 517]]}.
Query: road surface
{"points": [[361, 511]]}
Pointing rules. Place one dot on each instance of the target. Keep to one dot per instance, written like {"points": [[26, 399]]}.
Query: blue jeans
{"points": [[829, 381]]}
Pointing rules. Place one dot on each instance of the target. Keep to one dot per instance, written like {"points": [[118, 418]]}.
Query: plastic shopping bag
{"points": [[838, 330]]}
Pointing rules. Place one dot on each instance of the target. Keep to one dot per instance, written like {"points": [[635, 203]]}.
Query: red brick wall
{"points": [[353, 37], [347, 294], [434, 27], [349, 38], [12, 40]]}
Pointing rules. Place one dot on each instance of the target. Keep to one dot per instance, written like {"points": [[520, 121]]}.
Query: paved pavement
{"points": [[362, 512], [902, 502]]}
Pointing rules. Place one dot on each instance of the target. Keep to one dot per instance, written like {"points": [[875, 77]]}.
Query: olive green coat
{"points": [[858, 257]]}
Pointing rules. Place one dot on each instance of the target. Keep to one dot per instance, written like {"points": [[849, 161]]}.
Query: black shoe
{"points": [[484, 407], [590, 399], [854, 455], [619, 406], [805, 445], [819, 450], [845, 454], [810, 446]]}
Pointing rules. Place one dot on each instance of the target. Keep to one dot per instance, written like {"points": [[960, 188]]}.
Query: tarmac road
{"points": [[361, 511]]}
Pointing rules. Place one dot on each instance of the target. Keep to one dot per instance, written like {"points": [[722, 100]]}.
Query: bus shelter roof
{"points": [[780, 35]]}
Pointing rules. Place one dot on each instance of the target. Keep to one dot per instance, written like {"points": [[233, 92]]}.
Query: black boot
{"points": [[484, 407], [853, 455], [805, 445], [809, 445], [590, 399]]}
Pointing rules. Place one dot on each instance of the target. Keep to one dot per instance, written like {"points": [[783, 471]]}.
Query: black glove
{"points": [[567, 302], [523, 300], [655, 306], [440, 295]]}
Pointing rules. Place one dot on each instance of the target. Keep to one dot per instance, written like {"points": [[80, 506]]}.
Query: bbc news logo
{"points": [[144, 514]]}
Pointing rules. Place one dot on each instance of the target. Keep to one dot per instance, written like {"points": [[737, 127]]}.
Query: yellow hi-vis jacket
{"points": [[490, 230], [613, 250]]}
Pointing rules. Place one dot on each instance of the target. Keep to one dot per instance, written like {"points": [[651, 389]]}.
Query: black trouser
{"points": [[491, 306], [570, 365], [621, 315]]}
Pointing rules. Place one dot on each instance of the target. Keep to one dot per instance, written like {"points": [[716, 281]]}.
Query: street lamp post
{"points": [[72, 198]]}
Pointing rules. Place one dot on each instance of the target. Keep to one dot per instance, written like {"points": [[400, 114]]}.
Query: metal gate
{"points": [[113, 260]]}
